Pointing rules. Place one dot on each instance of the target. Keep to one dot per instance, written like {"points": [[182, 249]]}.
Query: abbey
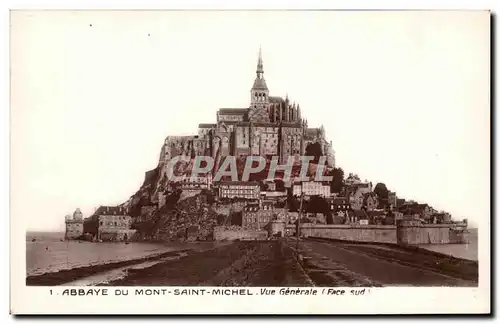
{"points": [[270, 126]]}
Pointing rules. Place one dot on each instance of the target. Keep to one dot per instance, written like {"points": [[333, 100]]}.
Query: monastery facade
{"points": [[270, 126]]}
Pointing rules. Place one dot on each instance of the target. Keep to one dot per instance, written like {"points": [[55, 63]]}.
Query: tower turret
{"points": [[259, 88], [294, 112], [78, 215], [322, 131], [259, 101], [74, 225]]}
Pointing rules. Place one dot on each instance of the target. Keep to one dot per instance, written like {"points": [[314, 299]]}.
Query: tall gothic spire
{"points": [[259, 82], [260, 66]]}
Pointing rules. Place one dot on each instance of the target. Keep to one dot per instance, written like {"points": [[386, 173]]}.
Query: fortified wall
{"points": [[406, 232], [358, 233], [411, 232]]}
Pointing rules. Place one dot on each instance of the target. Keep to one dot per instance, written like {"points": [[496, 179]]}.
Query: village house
{"points": [[311, 188], [338, 204], [370, 201], [273, 195], [392, 199], [441, 218], [424, 211], [257, 217], [269, 185], [198, 182], [399, 202], [109, 223], [355, 193], [188, 184], [239, 189], [352, 179], [377, 217]]}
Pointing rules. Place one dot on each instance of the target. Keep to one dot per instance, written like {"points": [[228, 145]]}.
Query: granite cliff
{"points": [[182, 216]]}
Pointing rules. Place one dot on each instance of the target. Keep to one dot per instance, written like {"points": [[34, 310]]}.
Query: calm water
{"points": [[48, 253], [464, 251]]}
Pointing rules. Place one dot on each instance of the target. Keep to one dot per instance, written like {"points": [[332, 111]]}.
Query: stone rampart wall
{"points": [[358, 233], [406, 233]]}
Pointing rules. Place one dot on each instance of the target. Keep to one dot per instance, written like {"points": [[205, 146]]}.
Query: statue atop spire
{"points": [[260, 66]]}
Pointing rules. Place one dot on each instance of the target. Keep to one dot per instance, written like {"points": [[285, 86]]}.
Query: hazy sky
{"points": [[404, 97]]}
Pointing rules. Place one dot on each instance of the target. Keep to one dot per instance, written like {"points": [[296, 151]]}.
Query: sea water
{"points": [[465, 251], [49, 252]]}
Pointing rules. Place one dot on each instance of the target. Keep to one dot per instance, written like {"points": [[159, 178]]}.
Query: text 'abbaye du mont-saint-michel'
{"points": [[209, 291]]}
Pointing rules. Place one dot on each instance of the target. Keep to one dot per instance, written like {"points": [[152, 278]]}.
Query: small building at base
{"points": [[110, 223], [74, 225]]}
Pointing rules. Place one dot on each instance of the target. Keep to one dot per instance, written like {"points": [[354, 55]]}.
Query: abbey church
{"points": [[270, 126]]}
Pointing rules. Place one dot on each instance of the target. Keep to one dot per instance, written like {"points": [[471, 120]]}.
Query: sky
{"points": [[403, 96]]}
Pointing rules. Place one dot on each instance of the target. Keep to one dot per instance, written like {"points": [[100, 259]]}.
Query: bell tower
{"points": [[259, 100]]}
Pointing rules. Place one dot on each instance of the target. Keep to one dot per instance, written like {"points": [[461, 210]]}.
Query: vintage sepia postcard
{"points": [[250, 162]]}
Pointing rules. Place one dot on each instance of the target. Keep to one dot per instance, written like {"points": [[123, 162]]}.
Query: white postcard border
{"points": [[37, 300]]}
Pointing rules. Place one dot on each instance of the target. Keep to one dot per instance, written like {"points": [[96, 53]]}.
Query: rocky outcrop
{"points": [[191, 218], [159, 214]]}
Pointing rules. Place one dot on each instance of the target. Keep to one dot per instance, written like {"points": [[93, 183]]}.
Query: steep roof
{"points": [[273, 99], [77, 213], [207, 125], [259, 84], [415, 208], [233, 111], [111, 210], [367, 195], [288, 124]]}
